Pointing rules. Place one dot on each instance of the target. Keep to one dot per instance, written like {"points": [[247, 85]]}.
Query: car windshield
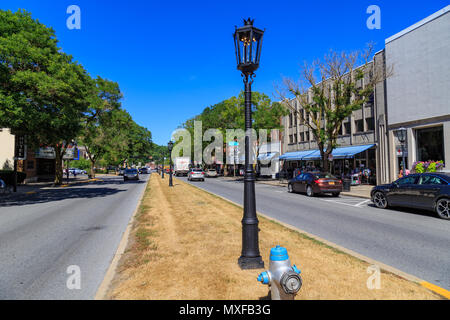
{"points": [[131, 171], [197, 170], [324, 176]]}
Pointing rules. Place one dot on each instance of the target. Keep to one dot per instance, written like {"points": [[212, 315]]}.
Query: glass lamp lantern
{"points": [[401, 135], [248, 43]]}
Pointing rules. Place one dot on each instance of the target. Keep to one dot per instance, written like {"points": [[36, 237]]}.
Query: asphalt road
{"points": [[49, 238], [415, 242]]}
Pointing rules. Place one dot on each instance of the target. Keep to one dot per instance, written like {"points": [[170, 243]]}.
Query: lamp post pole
{"points": [[402, 138], [248, 42], [162, 168], [170, 146], [251, 257]]}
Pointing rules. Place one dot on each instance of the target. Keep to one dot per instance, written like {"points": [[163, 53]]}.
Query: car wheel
{"points": [[379, 199], [336, 194], [443, 208], [309, 191], [290, 190]]}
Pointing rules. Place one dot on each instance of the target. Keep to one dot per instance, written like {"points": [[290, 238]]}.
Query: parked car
{"points": [[313, 183], [428, 191], [211, 173], [131, 174], [75, 171], [121, 171], [144, 170], [196, 174]]}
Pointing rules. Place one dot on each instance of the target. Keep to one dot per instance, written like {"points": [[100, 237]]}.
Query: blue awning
{"points": [[295, 156], [315, 155], [338, 153], [350, 152]]}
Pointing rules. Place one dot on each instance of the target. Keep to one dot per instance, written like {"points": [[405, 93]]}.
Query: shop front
{"points": [[357, 162]]}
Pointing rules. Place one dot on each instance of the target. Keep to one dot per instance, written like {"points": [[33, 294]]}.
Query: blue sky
{"points": [[174, 58]]}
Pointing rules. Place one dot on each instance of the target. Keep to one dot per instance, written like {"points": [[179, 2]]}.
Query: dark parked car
{"points": [[131, 174], [313, 183], [429, 191]]}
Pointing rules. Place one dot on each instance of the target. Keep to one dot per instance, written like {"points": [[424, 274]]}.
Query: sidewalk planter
{"points": [[427, 166]]}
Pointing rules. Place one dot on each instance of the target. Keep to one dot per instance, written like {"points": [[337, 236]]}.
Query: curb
{"points": [[434, 288], [111, 271]]}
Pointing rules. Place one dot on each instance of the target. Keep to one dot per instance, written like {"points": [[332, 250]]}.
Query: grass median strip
{"points": [[185, 244]]}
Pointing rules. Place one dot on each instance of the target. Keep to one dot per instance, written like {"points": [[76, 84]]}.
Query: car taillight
{"points": [[203, 173]]}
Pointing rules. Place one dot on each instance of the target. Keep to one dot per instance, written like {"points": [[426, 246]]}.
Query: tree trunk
{"points": [[326, 166], [92, 169], [58, 166]]}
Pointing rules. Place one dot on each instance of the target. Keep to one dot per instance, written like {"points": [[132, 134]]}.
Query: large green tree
{"points": [[43, 92], [98, 126], [230, 114]]}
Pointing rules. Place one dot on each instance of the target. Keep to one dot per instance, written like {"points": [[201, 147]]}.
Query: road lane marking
{"points": [[356, 203], [363, 202]]}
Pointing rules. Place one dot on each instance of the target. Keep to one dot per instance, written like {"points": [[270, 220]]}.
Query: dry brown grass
{"points": [[185, 244]]}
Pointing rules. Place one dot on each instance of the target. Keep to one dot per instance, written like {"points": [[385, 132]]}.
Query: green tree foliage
{"points": [[230, 114], [98, 127], [42, 90], [50, 98]]}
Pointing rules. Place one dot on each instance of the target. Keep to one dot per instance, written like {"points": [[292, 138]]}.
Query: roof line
{"points": [[430, 18]]}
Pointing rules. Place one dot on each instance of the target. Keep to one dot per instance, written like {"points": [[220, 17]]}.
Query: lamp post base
{"points": [[250, 263]]}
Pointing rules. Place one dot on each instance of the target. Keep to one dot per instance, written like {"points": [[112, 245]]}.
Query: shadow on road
{"points": [[50, 195]]}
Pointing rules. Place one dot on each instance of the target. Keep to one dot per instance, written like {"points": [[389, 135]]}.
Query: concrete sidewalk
{"points": [[360, 191]]}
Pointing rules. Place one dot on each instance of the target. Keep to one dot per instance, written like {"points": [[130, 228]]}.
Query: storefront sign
{"points": [[49, 153], [20, 150]]}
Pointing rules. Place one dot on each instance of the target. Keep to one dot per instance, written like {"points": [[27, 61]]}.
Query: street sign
{"points": [[20, 149]]}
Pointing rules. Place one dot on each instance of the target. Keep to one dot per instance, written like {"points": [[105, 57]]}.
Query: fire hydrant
{"points": [[283, 279]]}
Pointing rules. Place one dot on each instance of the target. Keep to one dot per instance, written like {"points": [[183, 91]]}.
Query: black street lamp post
{"points": [[162, 168], [401, 135], [248, 42], [170, 146]]}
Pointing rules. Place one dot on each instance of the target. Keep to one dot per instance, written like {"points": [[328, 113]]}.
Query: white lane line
{"points": [[350, 202], [363, 202]]}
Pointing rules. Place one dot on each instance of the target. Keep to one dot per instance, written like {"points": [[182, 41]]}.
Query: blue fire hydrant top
{"points": [[278, 254]]}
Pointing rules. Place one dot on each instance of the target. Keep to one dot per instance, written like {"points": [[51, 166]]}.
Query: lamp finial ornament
{"points": [[248, 22]]}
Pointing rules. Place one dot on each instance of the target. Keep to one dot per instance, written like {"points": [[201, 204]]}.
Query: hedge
{"points": [[8, 177]]}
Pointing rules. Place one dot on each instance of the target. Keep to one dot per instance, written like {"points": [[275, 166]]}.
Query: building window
{"points": [[347, 128], [307, 135], [290, 120], [359, 125], [370, 122], [340, 131], [430, 144], [291, 139], [302, 136]]}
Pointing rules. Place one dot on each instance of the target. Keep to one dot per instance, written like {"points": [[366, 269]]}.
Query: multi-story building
{"points": [[415, 95], [357, 138]]}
